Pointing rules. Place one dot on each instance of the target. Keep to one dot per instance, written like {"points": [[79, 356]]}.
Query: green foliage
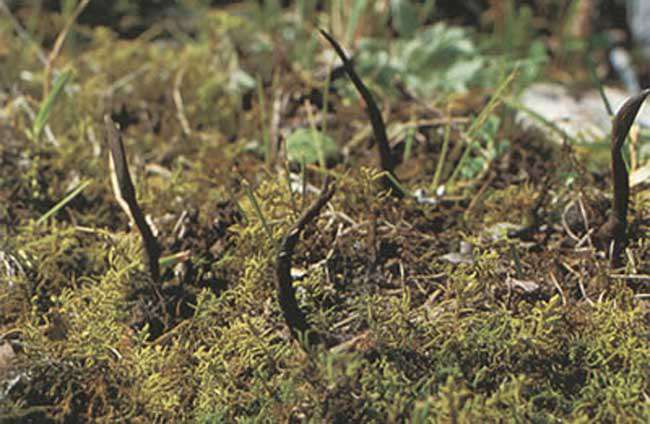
{"points": [[440, 59], [488, 147], [405, 16], [310, 146], [436, 60]]}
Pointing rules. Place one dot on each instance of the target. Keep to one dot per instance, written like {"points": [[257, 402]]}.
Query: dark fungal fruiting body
{"points": [[387, 161], [614, 232], [293, 315], [127, 193]]}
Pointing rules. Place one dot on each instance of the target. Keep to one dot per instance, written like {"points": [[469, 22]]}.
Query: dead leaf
{"points": [[527, 286], [7, 356]]}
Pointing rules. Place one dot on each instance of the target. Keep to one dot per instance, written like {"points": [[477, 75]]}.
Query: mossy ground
{"points": [[519, 329]]}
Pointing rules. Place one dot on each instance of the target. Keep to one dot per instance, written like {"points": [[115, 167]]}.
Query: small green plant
{"points": [[434, 61], [488, 124], [310, 146]]}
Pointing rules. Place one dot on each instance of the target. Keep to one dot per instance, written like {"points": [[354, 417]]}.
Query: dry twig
{"points": [[178, 101], [58, 44]]}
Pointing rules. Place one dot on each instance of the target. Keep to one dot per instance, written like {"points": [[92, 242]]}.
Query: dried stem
{"points": [[23, 33], [378, 127], [293, 315], [125, 194], [58, 44], [178, 101], [615, 229]]}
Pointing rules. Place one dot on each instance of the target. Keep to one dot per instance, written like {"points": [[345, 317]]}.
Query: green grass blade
{"points": [[443, 156], [258, 211], [63, 202], [599, 85], [47, 105], [408, 148], [495, 101], [171, 260], [397, 185]]}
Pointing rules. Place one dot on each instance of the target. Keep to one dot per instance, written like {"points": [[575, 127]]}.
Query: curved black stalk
{"points": [[615, 229], [293, 315], [127, 194], [378, 127]]}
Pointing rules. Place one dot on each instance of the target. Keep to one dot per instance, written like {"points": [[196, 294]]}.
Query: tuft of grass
{"points": [[258, 212]]}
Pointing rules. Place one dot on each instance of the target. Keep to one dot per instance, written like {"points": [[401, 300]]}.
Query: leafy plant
{"points": [[405, 17], [488, 147], [436, 60], [310, 146]]}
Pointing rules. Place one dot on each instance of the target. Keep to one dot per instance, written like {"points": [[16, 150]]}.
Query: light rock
{"points": [[583, 117]]}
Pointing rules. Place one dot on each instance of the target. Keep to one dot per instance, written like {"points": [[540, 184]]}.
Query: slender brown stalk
{"points": [[615, 229], [293, 315], [386, 158], [58, 44], [125, 193]]}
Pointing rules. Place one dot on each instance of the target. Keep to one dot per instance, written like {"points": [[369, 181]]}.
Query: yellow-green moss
{"points": [[424, 340]]}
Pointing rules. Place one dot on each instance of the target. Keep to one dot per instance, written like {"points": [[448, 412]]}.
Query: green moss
{"points": [[423, 340]]}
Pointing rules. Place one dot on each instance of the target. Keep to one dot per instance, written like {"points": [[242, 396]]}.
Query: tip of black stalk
{"points": [[325, 34], [334, 43]]}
